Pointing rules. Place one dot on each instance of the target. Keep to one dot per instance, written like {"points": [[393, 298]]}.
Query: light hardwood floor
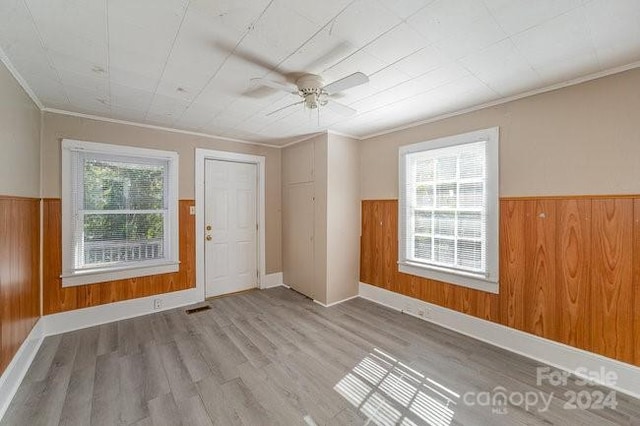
{"points": [[275, 357]]}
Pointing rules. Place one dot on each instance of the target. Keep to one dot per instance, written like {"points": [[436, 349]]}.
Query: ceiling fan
{"points": [[314, 93]]}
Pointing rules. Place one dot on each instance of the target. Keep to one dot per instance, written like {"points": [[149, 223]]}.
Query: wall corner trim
{"points": [[19, 365], [537, 348], [272, 280], [328, 305]]}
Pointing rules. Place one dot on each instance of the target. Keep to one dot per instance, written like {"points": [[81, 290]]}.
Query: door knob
{"points": [[208, 228], [208, 238]]}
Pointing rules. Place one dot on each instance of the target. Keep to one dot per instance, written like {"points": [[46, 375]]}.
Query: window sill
{"points": [[112, 274], [461, 279]]}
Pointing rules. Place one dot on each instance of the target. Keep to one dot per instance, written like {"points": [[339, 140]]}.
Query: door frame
{"points": [[206, 154]]}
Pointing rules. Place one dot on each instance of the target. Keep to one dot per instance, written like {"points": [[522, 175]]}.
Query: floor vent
{"points": [[198, 309]]}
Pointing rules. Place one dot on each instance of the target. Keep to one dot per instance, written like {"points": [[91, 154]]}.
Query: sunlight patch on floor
{"points": [[389, 392]]}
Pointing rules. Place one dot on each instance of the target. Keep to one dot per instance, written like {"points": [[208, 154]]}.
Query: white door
{"points": [[230, 227]]}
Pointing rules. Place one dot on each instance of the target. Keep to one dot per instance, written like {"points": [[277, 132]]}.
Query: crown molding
{"points": [[302, 139], [594, 76], [508, 99], [313, 135], [21, 81], [344, 135], [154, 127]]}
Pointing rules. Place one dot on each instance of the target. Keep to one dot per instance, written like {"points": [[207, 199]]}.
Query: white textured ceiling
{"points": [[187, 64]]}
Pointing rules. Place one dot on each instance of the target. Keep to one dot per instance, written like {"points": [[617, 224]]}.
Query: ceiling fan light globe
{"points": [[311, 100]]}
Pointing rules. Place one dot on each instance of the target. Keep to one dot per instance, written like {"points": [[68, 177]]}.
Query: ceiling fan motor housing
{"points": [[310, 87]]}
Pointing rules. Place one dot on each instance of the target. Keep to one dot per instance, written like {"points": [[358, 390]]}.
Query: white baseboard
{"points": [[102, 314], [328, 305], [89, 317], [549, 352], [271, 280], [558, 355], [17, 368]]}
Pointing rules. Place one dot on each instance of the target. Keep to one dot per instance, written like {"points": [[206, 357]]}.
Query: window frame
{"points": [[488, 282], [72, 276]]}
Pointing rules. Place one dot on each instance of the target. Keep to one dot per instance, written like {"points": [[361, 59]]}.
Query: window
{"points": [[119, 212], [449, 210]]}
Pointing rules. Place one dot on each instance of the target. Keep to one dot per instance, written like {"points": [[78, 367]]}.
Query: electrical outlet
{"points": [[192, 210], [157, 303]]}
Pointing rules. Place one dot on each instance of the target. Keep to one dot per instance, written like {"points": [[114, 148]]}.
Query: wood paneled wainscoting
{"points": [[569, 270], [19, 273], [59, 299]]}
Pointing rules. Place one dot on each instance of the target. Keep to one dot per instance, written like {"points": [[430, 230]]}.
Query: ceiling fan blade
{"points": [[339, 108], [233, 50], [333, 56], [353, 80], [289, 88], [286, 107]]}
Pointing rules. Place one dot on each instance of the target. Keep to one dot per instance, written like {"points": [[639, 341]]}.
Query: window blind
{"points": [[120, 208], [445, 208]]}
